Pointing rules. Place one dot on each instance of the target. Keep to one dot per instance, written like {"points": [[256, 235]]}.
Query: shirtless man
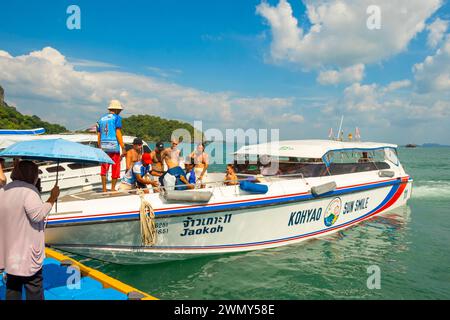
{"points": [[158, 165], [201, 161], [171, 156], [134, 154]]}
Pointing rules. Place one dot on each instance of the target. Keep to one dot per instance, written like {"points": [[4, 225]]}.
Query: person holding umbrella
{"points": [[23, 214], [22, 223], [109, 133]]}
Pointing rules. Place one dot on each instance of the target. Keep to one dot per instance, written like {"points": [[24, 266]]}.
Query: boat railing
{"points": [[258, 178], [206, 186]]}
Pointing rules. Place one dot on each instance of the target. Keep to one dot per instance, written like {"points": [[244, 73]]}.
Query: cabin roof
{"points": [[307, 148]]}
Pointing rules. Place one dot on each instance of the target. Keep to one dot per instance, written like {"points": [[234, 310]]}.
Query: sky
{"points": [[292, 65]]}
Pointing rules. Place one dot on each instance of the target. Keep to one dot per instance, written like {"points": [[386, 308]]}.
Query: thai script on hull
{"points": [[204, 225]]}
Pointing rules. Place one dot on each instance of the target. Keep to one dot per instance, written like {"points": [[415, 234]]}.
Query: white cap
{"points": [[115, 105]]}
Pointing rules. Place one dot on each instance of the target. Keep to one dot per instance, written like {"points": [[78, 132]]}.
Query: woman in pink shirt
{"points": [[22, 243]]}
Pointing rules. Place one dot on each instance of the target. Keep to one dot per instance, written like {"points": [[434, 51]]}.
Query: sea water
{"points": [[409, 249]]}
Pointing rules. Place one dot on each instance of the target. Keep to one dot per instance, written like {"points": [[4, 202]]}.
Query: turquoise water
{"points": [[411, 246]]}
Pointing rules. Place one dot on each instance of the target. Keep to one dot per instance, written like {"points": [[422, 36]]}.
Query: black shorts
{"points": [[141, 185]]}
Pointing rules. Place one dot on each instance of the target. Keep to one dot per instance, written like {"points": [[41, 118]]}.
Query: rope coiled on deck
{"points": [[147, 219]]}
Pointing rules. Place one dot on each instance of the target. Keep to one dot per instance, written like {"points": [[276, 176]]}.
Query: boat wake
{"points": [[431, 190]]}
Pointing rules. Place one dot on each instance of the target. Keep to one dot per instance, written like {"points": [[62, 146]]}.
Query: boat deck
{"points": [[94, 194], [98, 194], [93, 284]]}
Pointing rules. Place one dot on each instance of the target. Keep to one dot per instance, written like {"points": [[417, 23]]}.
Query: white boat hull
{"points": [[223, 226]]}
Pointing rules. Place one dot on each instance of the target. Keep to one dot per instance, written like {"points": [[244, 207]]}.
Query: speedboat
{"points": [[319, 187], [73, 177]]}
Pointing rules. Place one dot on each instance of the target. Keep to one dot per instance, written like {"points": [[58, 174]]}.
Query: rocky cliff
{"points": [[10, 118]]}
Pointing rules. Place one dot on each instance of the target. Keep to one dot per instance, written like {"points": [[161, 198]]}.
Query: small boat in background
{"points": [[73, 177], [411, 145], [24, 131]]}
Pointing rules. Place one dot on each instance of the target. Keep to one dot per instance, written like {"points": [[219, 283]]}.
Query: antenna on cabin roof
{"points": [[340, 133], [330, 134], [357, 134]]}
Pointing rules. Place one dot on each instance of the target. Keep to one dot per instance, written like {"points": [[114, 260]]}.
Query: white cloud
{"points": [[45, 83], [338, 35], [91, 63], [293, 118], [49, 54], [5, 54], [263, 102], [359, 97], [436, 31], [344, 75], [163, 72], [433, 74], [395, 85], [384, 106]]}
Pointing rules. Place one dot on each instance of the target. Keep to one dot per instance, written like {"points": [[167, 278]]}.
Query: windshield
{"points": [[334, 162]]}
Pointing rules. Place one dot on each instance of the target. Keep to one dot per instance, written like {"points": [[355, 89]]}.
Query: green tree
{"points": [[10, 118], [153, 128]]}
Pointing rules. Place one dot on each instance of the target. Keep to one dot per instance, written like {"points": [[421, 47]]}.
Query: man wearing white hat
{"points": [[110, 140]]}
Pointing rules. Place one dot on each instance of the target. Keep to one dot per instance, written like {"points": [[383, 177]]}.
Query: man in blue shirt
{"points": [[190, 172], [175, 178], [109, 136]]}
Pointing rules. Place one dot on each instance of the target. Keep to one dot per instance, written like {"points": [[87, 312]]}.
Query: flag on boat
{"points": [[357, 133]]}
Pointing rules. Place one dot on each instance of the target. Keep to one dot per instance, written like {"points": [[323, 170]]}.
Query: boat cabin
{"points": [[314, 158]]}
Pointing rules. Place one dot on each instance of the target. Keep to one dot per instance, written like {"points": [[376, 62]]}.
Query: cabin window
{"points": [[391, 156], [241, 159], [355, 160], [287, 166], [308, 168], [55, 168], [76, 166], [246, 167]]}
